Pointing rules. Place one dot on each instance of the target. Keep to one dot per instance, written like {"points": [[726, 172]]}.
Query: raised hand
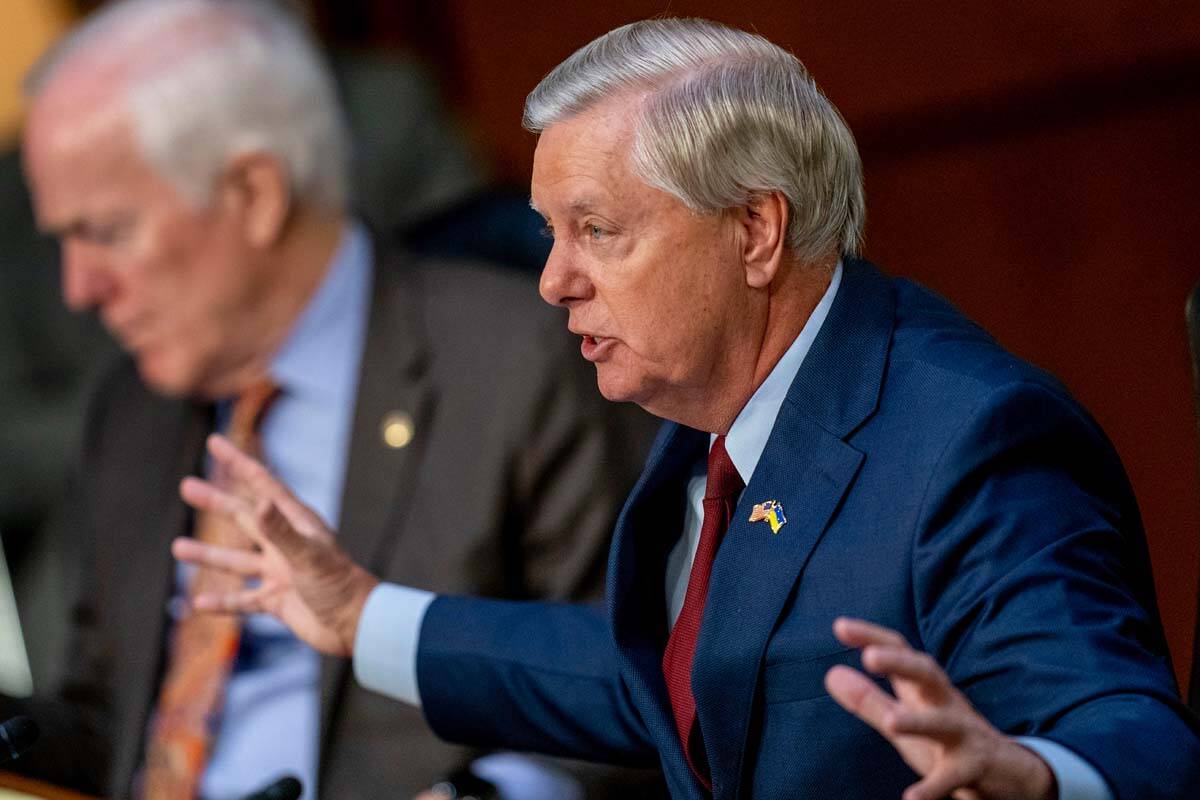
{"points": [[305, 579], [931, 724]]}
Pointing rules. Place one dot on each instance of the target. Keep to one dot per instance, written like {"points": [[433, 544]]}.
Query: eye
{"points": [[104, 233], [107, 234], [596, 232], [547, 231]]}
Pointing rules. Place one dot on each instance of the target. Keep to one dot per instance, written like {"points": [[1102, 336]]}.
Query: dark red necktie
{"points": [[720, 497]]}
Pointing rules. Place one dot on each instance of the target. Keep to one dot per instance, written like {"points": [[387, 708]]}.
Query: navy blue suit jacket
{"points": [[933, 483]]}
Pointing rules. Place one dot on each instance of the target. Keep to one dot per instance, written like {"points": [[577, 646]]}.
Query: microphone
{"points": [[286, 788], [16, 736]]}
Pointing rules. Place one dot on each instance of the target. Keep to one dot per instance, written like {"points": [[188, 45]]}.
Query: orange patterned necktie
{"points": [[203, 646]]}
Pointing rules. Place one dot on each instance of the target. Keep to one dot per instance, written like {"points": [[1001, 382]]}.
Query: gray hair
{"points": [[728, 115], [208, 80]]}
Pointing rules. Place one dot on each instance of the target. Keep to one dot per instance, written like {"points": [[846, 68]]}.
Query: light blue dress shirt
{"points": [[385, 651], [270, 723]]}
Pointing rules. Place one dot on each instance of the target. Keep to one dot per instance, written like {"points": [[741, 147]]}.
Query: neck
{"points": [[784, 311], [293, 269]]}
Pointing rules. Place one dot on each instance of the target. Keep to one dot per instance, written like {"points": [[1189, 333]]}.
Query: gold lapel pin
{"points": [[772, 512], [397, 429]]}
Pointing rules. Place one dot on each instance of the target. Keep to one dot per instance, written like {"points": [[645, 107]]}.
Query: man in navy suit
{"points": [[842, 446]]}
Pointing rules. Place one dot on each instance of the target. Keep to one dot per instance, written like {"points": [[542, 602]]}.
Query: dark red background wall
{"points": [[1037, 163]]}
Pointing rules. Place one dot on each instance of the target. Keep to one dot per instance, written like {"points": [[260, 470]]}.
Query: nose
{"points": [[87, 280], [563, 281]]}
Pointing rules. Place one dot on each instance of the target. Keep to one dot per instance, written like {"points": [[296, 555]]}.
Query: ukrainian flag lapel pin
{"points": [[772, 512]]}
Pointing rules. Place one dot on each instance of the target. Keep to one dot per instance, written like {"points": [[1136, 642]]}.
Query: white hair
{"points": [[727, 115], [208, 80]]}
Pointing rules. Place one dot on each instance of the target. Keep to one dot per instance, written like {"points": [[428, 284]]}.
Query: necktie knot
{"points": [[248, 412], [723, 481]]}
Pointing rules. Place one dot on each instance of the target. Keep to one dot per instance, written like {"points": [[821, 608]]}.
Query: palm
{"points": [[304, 578], [287, 599]]}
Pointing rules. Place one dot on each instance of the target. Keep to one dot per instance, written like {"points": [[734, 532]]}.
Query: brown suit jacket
{"points": [[509, 489]]}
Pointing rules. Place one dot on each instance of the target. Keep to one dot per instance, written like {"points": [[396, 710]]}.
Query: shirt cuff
{"points": [[1077, 779], [519, 776], [385, 647]]}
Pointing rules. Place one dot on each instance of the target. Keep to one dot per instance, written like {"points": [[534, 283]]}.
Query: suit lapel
{"points": [[648, 527], [753, 576], [807, 466], [393, 384]]}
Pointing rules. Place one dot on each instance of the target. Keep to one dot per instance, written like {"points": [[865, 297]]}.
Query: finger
{"points": [[243, 601], [939, 783], [236, 463], [251, 474], [859, 695], [240, 562], [204, 496], [860, 633], [904, 662], [941, 724]]}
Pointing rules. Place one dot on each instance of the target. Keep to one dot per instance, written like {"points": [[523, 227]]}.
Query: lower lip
{"points": [[594, 349]]}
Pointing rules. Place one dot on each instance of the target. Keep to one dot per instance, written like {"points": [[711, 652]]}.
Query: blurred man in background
{"points": [[191, 158], [48, 357]]}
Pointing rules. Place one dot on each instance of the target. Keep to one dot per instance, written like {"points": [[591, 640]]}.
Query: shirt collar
{"points": [[747, 437], [328, 326]]}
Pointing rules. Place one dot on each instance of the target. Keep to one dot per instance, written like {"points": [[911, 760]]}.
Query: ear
{"points": [[763, 221], [255, 188]]}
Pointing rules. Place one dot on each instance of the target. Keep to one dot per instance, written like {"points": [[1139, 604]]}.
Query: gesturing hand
{"points": [[931, 724], [305, 579]]}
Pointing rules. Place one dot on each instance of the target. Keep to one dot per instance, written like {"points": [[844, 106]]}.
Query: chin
{"points": [[166, 376], [619, 386]]}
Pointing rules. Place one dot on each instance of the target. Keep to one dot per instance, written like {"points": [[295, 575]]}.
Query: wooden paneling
{"points": [[1075, 247], [874, 59]]}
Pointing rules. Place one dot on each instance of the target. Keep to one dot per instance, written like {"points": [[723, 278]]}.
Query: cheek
{"points": [[191, 278], [662, 317]]}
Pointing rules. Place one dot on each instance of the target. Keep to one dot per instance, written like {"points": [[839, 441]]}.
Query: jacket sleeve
{"points": [[1032, 584], [528, 676]]}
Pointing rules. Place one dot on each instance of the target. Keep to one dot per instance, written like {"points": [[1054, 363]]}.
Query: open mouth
{"points": [[594, 348]]}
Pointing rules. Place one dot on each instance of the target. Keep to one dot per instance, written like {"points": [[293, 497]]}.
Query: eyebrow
{"points": [[577, 206]]}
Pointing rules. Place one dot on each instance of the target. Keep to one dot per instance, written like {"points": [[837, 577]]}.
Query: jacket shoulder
{"points": [[934, 341], [475, 294], [489, 316]]}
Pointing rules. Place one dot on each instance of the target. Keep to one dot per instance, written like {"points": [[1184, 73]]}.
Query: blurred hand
{"points": [[931, 724], [306, 580]]}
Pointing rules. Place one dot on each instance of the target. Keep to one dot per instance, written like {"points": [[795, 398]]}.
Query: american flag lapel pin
{"points": [[772, 512]]}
